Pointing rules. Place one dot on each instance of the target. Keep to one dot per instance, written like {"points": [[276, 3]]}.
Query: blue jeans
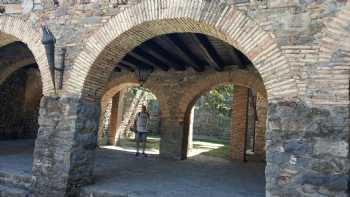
{"points": [[141, 136]]}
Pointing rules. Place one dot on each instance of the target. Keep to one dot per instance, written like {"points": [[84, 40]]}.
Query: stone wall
{"points": [[299, 48], [20, 97], [211, 124]]}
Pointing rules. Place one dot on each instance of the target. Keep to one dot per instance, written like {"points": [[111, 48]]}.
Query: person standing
{"points": [[140, 123]]}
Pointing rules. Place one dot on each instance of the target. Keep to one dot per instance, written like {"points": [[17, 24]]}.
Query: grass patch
{"points": [[222, 152]]}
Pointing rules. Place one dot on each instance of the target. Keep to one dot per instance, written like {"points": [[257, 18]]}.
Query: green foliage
{"points": [[218, 100]]}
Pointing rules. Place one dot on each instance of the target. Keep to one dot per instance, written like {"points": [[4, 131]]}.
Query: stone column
{"points": [[65, 146], [260, 128], [239, 122], [113, 121], [171, 132]]}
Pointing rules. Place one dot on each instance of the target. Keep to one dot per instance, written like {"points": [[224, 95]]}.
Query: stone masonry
{"points": [[300, 55]]}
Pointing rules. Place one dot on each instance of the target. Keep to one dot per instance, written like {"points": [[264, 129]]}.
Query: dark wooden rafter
{"points": [[210, 52], [244, 61], [117, 69], [127, 67], [170, 59], [144, 56], [131, 61], [237, 57], [181, 50], [175, 42]]}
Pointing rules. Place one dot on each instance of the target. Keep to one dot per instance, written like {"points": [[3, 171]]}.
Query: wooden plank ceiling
{"points": [[180, 51]]}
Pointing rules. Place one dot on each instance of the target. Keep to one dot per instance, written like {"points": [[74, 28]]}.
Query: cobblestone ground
{"points": [[122, 174]]}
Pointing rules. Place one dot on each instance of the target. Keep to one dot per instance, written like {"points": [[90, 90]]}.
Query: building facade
{"points": [[300, 61]]}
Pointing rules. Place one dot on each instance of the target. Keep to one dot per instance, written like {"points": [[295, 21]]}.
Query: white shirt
{"points": [[141, 122]]}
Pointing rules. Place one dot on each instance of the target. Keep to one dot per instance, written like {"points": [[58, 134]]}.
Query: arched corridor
{"points": [[20, 95], [288, 62]]}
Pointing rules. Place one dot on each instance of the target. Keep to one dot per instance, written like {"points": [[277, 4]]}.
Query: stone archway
{"points": [[16, 29], [132, 27], [91, 71]]}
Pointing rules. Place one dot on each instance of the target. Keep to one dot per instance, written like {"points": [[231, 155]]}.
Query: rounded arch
{"points": [[331, 79], [119, 83], [336, 30], [239, 77], [152, 18], [16, 29], [249, 79]]}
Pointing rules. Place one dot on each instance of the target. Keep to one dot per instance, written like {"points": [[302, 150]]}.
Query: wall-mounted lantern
{"points": [[59, 68], [142, 75], [49, 41]]}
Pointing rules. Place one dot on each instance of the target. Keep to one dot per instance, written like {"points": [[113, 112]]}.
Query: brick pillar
{"points": [[113, 121], [65, 146], [239, 122], [260, 128]]}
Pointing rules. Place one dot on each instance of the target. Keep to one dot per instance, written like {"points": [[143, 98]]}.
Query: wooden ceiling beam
{"points": [[117, 69], [238, 59], [210, 51], [167, 57], [176, 44], [137, 64], [126, 67], [144, 56]]}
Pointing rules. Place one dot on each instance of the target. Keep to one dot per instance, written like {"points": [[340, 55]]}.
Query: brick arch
{"points": [[5, 73], [118, 83], [332, 75], [16, 29], [152, 18], [248, 79], [337, 30]]}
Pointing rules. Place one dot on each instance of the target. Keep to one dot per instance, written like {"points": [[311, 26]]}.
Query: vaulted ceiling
{"points": [[180, 51]]}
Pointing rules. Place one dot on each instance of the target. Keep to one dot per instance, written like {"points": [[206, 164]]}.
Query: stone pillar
{"points": [[190, 130], [113, 121], [307, 149], [239, 122], [65, 146], [171, 143], [260, 128]]}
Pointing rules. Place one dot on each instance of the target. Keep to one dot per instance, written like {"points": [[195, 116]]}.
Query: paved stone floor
{"points": [[120, 173], [16, 157]]}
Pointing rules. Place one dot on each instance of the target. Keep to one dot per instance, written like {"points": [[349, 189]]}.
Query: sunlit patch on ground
{"points": [[214, 148]]}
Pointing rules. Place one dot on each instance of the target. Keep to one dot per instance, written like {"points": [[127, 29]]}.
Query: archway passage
{"points": [[20, 95], [224, 120], [117, 120], [181, 67]]}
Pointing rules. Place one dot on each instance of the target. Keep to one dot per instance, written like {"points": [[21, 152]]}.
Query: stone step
{"points": [[18, 181], [7, 191]]}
